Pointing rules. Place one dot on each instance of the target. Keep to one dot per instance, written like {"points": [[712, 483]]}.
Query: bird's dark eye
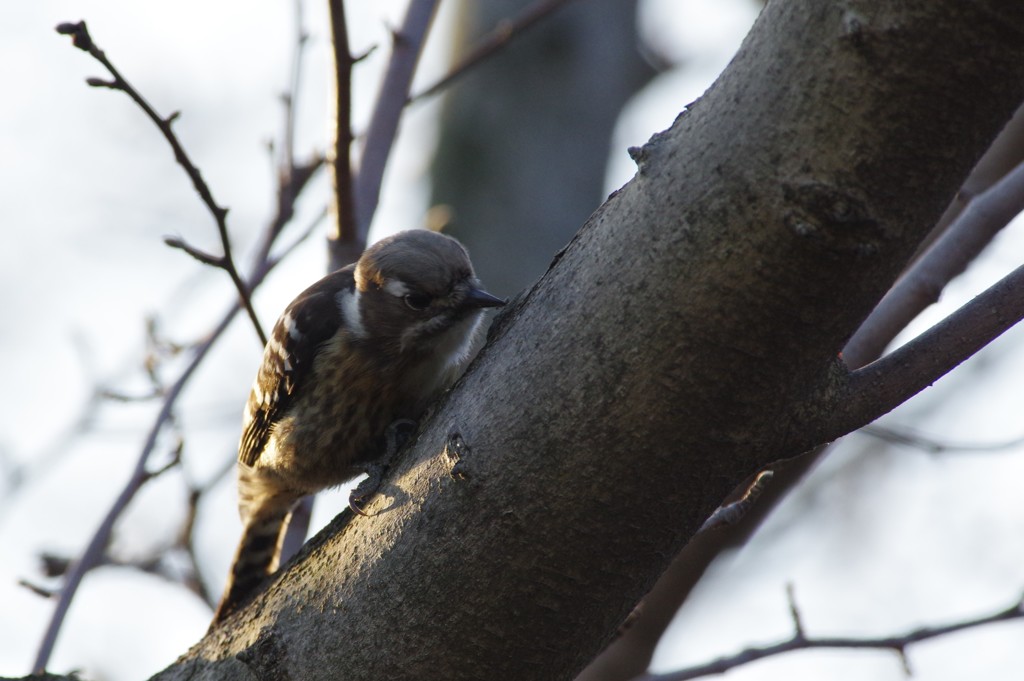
{"points": [[417, 301]]}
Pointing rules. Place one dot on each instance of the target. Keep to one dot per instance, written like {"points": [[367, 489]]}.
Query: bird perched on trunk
{"points": [[365, 347]]}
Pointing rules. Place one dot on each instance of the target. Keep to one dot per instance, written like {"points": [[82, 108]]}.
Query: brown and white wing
{"points": [[309, 321]]}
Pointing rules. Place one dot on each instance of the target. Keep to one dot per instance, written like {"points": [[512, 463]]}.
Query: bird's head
{"points": [[417, 290]]}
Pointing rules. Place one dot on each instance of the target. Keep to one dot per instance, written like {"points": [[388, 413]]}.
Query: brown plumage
{"points": [[364, 347]]}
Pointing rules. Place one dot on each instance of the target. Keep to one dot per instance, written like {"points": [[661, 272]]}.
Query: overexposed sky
{"points": [[882, 539]]}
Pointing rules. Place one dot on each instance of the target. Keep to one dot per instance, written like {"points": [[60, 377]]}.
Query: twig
{"points": [[82, 40], [406, 48], [305, 234], [175, 460], [186, 541], [345, 242], [186, 535], [297, 529], [40, 591], [292, 176], [292, 96], [493, 42], [93, 553], [921, 285], [298, 525], [201, 256], [903, 436], [794, 614], [886, 383], [295, 180], [798, 641], [97, 545]]}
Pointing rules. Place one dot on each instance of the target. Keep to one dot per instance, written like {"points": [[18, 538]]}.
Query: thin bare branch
{"points": [[794, 614], [493, 42], [97, 545], [339, 164], [292, 175], [898, 644], [185, 539], [345, 241], [1004, 154], [288, 191], [910, 438], [94, 551], [972, 231], [172, 463], [40, 591], [292, 184], [83, 41], [201, 256], [886, 383], [186, 535], [298, 528], [292, 96], [306, 233], [407, 45]]}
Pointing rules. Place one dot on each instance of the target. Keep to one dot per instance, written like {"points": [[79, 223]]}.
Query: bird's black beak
{"points": [[479, 298]]}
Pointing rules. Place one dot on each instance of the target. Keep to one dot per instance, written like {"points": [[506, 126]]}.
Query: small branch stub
{"points": [[201, 256], [731, 513], [79, 34], [455, 451], [99, 82]]}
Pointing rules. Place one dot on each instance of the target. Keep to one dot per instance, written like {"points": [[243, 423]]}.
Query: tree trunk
{"points": [[687, 336]]}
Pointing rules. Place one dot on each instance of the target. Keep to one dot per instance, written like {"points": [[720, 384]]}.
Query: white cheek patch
{"points": [[396, 287], [444, 363], [348, 303], [456, 342], [451, 346]]}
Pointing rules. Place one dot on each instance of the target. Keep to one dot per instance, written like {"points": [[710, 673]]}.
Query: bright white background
{"points": [[882, 540]]}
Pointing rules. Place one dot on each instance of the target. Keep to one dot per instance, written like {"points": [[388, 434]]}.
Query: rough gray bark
{"points": [[682, 340]]}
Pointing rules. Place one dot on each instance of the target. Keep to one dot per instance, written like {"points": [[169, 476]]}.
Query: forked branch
{"points": [[292, 180], [921, 285], [82, 40], [801, 641], [883, 385]]}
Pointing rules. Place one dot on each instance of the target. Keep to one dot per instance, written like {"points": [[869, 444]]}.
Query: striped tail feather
{"points": [[256, 557]]}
